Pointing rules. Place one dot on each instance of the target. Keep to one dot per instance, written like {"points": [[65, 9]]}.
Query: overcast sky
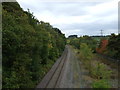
{"points": [[80, 18]]}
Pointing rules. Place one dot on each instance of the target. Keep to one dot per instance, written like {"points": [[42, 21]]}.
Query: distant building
{"points": [[72, 36]]}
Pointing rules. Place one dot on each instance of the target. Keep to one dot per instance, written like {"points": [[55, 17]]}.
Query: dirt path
{"points": [[71, 77]]}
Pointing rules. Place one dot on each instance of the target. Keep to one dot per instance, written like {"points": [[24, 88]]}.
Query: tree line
{"points": [[110, 46], [76, 42], [107, 45], [30, 47]]}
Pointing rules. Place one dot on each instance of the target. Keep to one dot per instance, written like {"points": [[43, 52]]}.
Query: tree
{"points": [[86, 55], [30, 47]]}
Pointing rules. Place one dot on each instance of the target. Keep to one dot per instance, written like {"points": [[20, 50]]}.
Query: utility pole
{"points": [[101, 32]]}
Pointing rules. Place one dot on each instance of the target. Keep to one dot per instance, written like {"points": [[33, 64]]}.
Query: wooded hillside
{"points": [[30, 47]]}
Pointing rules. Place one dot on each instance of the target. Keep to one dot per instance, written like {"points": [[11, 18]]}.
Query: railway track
{"points": [[53, 77]]}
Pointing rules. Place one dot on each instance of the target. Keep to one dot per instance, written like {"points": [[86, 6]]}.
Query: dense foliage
{"points": [[85, 52], [113, 48], [110, 47], [98, 71], [30, 47]]}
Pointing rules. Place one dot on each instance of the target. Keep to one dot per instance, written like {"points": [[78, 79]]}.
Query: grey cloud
{"points": [[91, 28], [68, 9], [93, 25]]}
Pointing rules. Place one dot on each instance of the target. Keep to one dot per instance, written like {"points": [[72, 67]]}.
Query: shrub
{"points": [[100, 71], [86, 55], [101, 84], [85, 52]]}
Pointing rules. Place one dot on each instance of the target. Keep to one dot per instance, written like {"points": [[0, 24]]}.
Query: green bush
{"points": [[85, 52], [100, 71], [101, 84], [86, 55]]}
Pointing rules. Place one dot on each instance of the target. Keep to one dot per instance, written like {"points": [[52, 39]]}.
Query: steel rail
{"points": [[51, 78]]}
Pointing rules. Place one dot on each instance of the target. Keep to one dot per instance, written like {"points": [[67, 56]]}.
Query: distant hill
{"points": [[72, 36]]}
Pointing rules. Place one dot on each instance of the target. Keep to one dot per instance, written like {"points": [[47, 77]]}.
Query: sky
{"points": [[76, 17]]}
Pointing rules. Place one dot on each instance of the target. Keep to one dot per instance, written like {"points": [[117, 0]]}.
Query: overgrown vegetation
{"points": [[98, 71], [30, 47], [86, 56], [101, 84]]}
